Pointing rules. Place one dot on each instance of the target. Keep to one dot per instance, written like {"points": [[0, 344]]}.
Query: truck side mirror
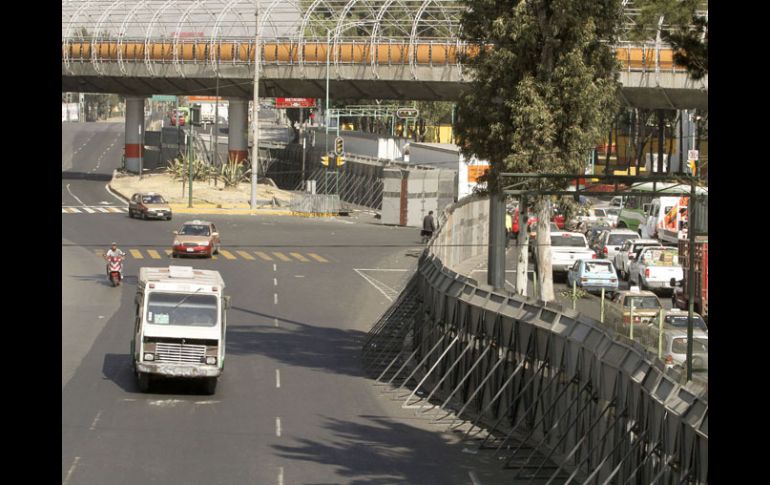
{"points": [[227, 302], [673, 282]]}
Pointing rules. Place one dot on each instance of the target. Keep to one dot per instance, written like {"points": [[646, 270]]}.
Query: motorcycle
{"points": [[115, 269]]}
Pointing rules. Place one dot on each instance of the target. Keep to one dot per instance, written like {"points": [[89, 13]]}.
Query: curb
{"points": [[208, 208]]}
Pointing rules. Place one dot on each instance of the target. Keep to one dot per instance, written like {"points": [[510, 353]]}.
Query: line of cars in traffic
{"points": [[605, 255], [195, 238]]}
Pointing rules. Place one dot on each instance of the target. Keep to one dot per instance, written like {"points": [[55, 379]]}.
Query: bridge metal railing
{"points": [[240, 51]]}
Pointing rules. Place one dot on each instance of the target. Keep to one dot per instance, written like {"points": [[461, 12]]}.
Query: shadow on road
{"points": [[298, 344], [375, 450], [86, 176]]}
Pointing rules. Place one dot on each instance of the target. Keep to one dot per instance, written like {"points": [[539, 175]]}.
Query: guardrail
{"points": [[550, 390]]}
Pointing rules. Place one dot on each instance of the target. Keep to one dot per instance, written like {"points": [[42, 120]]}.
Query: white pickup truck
{"points": [[654, 267], [568, 247]]}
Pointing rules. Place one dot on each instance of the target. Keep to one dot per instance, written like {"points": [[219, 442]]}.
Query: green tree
{"points": [[541, 95], [683, 24]]}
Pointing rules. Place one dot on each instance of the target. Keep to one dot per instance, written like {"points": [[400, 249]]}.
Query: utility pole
{"points": [[691, 275], [255, 115]]}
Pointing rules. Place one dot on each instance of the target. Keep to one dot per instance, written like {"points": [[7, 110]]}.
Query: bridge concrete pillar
{"points": [[238, 138], [134, 133]]}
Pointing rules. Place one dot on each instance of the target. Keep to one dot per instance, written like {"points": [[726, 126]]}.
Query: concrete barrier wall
{"points": [[463, 231]]}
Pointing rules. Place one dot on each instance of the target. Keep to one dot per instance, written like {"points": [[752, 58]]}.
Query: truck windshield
{"points": [[618, 239], [182, 309]]}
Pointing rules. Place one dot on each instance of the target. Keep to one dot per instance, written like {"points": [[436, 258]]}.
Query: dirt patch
{"points": [[203, 192]]}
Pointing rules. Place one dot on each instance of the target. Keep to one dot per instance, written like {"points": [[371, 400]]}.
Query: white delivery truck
{"points": [[180, 325]]}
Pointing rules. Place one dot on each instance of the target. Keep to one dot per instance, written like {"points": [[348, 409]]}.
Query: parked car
{"points": [[611, 241], [196, 238], [627, 253], [566, 248], [645, 303], [592, 275], [149, 205], [655, 267], [675, 345], [678, 318]]}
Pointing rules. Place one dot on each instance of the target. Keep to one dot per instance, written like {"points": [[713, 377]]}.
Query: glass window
{"points": [[599, 267], [182, 309], [195, 230], [680, 321], [699, 345], [618, 239], [568, 241], [642, 302]]}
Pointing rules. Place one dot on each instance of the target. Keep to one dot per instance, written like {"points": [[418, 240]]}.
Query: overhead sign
{"points": [[193, 99], [164, 98], [692, 154], [405, 113], [294, 102]]}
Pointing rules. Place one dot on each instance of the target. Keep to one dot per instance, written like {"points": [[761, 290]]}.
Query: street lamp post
{"points": [[255, 115]]}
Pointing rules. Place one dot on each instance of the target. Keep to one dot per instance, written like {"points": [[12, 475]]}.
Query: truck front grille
{"points": [[169, 352]]}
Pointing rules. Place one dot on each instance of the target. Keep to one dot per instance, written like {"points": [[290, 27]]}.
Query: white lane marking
{"points": [[275, 281], [299, 276], [89, 210], [280, 475], [274, 267], [278, 378], [276, 322], [73, 195], [121, 199], [102, 209], [96, 420], [474, 478], [72, 469], [278, 427], [275, 298], [165, 402], [386, 291]]}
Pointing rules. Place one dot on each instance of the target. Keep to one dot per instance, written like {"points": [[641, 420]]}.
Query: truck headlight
{"points": [[176, 243], [204, 243], [149, 356], [211, 360]]}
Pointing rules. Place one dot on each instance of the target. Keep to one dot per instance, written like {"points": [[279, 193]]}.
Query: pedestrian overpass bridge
{"points": [[378, 49]]}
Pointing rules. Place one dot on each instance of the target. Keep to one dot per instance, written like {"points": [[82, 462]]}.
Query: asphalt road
{"points": [[293, 405]]}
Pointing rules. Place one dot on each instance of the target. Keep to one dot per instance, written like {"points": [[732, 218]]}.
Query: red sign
{"points": [[294, 102]]}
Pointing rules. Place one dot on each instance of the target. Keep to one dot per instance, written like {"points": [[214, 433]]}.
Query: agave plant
{"points": [[201, 169], [233, 172]]}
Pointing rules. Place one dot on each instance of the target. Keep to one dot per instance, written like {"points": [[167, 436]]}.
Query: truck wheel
{"points": [[210, 385], [143, 379]]}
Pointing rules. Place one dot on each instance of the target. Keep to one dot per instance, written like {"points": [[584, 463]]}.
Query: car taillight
{"points": [[605, 251], [669, 359], [584, 279], [613, 280], [647, 273], [593, 256]]}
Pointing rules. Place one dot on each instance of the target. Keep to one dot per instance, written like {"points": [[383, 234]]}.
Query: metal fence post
{"points": [[601, 308], [574, 294], [631, 321], [660, 334]]}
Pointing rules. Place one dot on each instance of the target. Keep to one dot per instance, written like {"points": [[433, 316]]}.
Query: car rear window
{"points": [[699, 345], [618, 239], [642, 302], [680, 321], [599, 267], [567, 240]]}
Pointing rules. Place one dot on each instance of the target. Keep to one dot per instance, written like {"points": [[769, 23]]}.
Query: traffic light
{"points": [[693, 166], [339, 145], [340, 161], [325, 160]]}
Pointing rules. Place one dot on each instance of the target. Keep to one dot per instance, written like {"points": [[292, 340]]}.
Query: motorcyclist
{"points": [[114, 252]]}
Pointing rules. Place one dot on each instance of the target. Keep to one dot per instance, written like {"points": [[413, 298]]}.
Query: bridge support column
{"points": [[238, 138], [134, 133]]}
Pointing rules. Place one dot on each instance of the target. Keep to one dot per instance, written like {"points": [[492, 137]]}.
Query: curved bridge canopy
{"points": [[384, 49]]}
